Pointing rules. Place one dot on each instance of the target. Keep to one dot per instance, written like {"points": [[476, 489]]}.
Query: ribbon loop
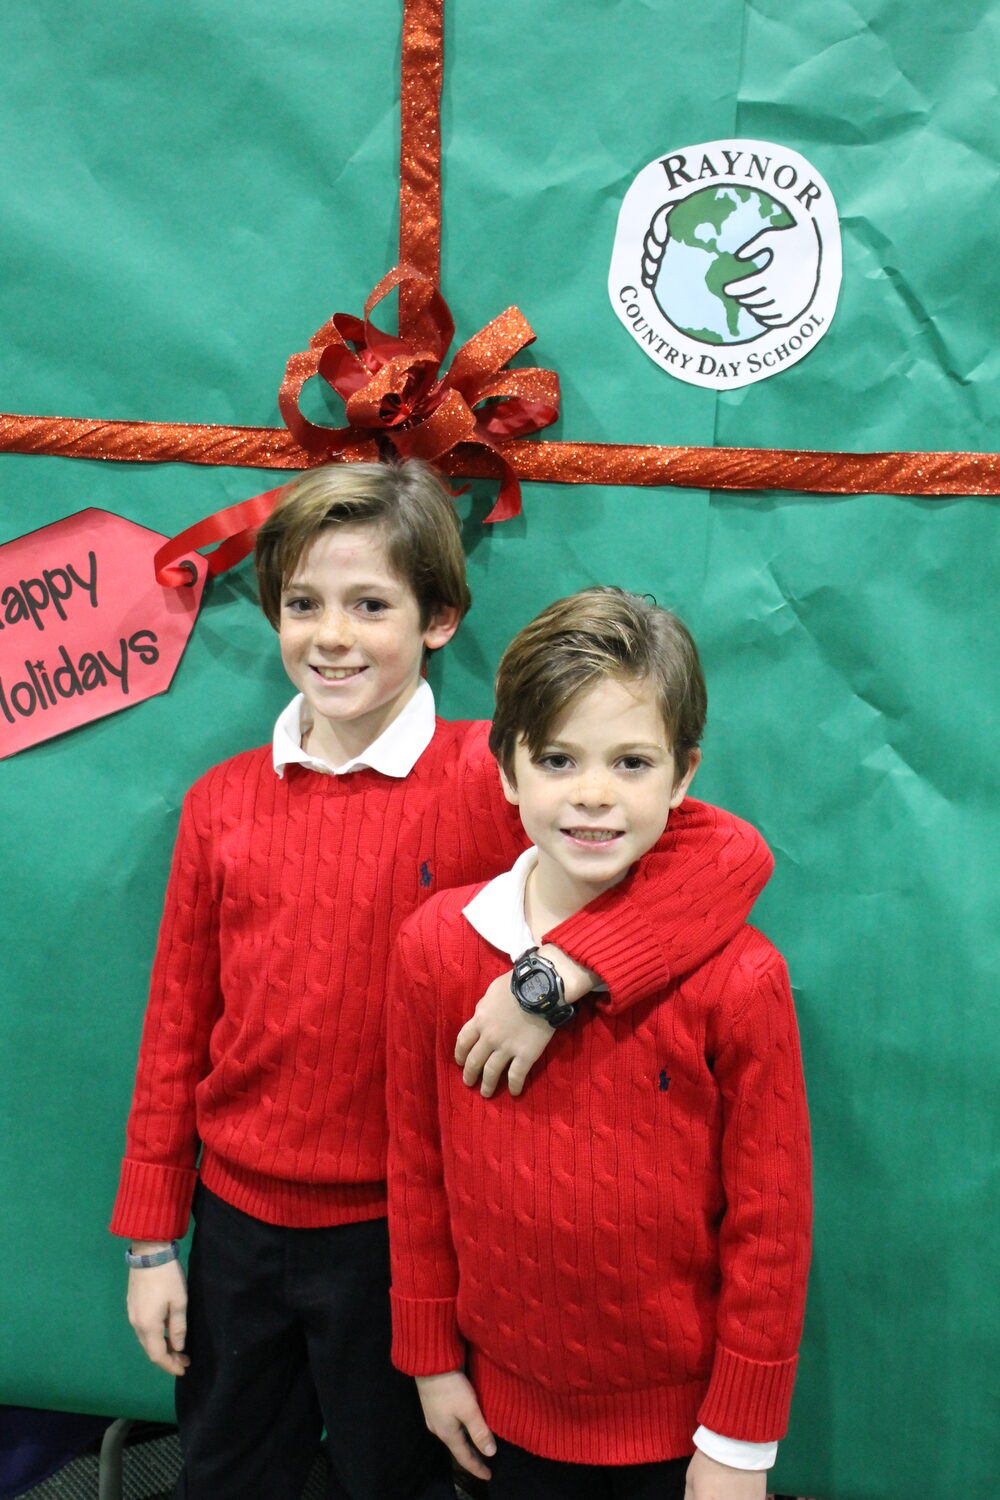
{"points": [[489, 350]]}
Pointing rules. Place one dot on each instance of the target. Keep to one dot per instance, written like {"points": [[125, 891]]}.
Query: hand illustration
{"points": [[779, 291], [654, 245]]}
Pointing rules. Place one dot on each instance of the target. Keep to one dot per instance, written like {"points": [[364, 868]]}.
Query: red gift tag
{"points": [[85, 629]]}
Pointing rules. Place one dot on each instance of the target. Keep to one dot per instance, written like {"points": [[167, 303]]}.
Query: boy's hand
{"points": [[501, 1037], [157, 1311], [707, 1479], [452, 1413]]}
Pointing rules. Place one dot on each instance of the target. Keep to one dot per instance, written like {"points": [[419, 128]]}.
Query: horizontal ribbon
{"points": [[930, 474], [805, 471], [152, 442]]}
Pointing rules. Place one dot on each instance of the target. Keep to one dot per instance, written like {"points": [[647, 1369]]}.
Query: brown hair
{"points": [[409, 504], [600, 632]]}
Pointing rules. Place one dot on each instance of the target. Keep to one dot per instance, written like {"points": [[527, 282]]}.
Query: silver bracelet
{"points": [[155, 1258]]}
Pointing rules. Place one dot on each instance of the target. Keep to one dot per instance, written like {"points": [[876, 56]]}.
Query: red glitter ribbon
{"points": [[493, 453], [421, 72], [932, 475]]}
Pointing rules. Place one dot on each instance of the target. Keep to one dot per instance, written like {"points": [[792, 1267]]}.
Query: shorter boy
{"points": [[611, 1271]]}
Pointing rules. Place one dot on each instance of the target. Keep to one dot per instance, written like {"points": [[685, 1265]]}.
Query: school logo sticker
{"points": [[727, 263]]}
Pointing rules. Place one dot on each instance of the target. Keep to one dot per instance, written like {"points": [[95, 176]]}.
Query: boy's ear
{"points": [[441, 627], [509, 789], [680, 790]]}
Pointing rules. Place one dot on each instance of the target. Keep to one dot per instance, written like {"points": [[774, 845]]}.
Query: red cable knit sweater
{"points": [[624, 1248], [264, 1036]]}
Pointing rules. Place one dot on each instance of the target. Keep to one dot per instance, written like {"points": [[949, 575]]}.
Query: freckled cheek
{"points": [[292, 648]]}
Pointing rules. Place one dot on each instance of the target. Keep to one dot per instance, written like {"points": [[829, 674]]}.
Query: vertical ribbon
{"points": [[422, 70]]}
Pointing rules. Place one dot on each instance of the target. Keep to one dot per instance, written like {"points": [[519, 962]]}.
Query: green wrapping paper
{"points": [[186, 193]]}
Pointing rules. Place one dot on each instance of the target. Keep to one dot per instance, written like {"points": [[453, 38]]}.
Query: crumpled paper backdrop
{"points": [[186, 192]]}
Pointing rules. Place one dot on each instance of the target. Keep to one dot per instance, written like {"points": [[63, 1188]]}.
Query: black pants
{"points": [[518, 1475], [288, 1331]]}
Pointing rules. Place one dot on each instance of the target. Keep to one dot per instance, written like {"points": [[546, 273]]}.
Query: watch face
{"points": [[535, 986]]}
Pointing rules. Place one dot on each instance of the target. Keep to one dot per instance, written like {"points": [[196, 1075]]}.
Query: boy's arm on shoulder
{"points": [[690, 894], [425, 1333], [158, 1172], [764, 1239]]}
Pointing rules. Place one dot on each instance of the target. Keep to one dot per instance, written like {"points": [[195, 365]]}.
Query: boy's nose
{"points": [[334, 630], [592, 790]]}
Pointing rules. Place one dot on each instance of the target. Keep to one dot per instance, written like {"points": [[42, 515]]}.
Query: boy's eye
{"points": [[372, 606], [298, 604], [633, 763], [554, 762]]}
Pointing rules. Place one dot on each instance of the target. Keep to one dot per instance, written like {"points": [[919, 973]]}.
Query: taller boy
{"points": [[263, 1045]]}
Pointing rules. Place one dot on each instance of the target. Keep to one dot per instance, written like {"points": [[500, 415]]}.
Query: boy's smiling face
{"points": [[600, 793], [352, 640]]}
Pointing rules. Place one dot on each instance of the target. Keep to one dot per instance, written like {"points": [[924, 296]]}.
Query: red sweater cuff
{"points": [[425, 1337], [625, 952], [748, 1399], [153, 1202]]}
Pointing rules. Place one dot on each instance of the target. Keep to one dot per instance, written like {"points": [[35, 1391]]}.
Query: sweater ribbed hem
{"points": [[606, 1427], [293, 1205], [425, 1338], [153, 1202], [747, 1398]]}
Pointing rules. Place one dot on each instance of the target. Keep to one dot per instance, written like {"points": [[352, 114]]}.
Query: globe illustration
{"points": [[704, 231]]}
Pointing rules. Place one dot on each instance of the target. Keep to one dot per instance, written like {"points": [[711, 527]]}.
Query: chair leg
{"points": [[109, 1470]]}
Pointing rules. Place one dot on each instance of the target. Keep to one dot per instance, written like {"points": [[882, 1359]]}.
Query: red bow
{"points": [[393, 389]]}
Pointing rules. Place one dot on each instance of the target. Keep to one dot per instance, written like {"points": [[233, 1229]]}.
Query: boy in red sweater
{"points": [[592, 1281], [260, 1092]]}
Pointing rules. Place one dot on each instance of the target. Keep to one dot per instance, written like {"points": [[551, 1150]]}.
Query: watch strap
{"points": [[153, 1257]]}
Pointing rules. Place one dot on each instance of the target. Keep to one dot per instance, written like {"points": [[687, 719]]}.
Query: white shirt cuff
{"points": [[734, 1452]]}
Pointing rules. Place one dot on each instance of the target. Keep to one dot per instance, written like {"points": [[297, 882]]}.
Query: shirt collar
{"points": [[394, 753], [497, 911]]}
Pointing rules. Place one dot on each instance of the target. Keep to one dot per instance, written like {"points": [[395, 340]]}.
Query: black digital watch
{"points": [[537, 987]]}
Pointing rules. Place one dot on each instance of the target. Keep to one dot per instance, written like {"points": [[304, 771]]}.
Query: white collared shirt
{"points": [[394, 753], [497, 914], [497, 911]]}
